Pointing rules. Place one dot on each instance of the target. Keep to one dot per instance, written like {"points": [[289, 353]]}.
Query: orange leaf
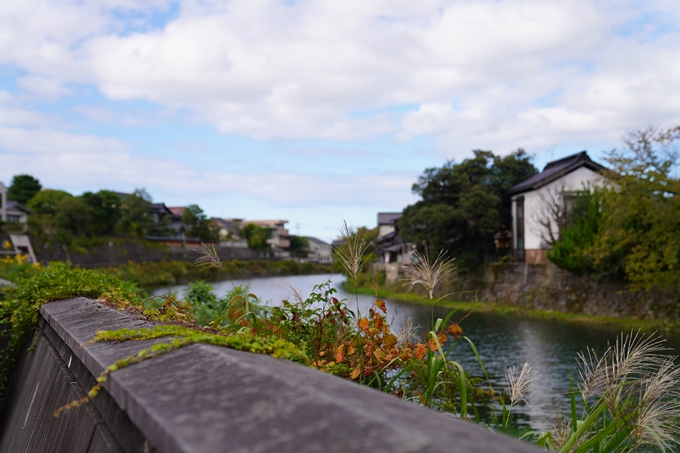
{"points": [[420, 351], [363, 324], [340, 354], [455, 330], [432, 344], [443, 338], [379, 354], [378, 322], [355, 373], [381, 305]]}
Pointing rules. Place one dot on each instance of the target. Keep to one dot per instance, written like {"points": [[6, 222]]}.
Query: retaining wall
{"points": [[547, 287], [206, 399]]}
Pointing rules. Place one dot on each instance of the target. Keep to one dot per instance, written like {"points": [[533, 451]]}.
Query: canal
{"points": [[550, 346]]}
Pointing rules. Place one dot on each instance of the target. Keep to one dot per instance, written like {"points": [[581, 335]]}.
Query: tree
{"points": [[106, 211], [641, 212], [73, 215], [582, 226], [256, 236], [198, 223], [462, 205], [45, 202], [299, 246], [136, 213], [23, 188]]}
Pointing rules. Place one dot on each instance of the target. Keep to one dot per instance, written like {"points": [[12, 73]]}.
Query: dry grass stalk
{"points": [[208, 258], [520, 382], [350, 254], [635, 377], [427, 274]]}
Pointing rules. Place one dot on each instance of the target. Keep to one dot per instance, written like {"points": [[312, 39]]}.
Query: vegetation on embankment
{"points": [[164, 273], [399, 294]]}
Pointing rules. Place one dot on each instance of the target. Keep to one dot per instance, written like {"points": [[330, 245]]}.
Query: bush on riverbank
{"points": [[165, 273]]}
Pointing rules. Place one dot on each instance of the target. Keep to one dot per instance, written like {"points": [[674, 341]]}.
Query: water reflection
{"points": [[550, 346]]}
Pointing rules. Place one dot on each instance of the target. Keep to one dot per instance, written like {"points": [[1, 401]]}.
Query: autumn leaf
{"points": [[443, 338], [378, 322], [420, 351], [379, 354], [340, 354], [381, 305], [355, 373], [432, 344], [390, 340], [363, 324], [455, 330]]}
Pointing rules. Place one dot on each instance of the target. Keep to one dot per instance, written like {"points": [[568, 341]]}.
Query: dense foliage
{"points": [[464, 204], [630, 227], [23, 188]]}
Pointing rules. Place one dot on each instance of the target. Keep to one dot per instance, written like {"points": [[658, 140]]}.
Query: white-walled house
{"points": [[319, 251], [540, 200], [11, 211]]}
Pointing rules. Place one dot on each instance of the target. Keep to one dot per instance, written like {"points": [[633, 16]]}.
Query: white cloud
{"points": [[497, 74]]}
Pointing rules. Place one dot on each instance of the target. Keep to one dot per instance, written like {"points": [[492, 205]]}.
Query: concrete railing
{"points": [[208, 399]]}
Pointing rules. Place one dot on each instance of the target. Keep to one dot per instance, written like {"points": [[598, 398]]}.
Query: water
{"points": [[550, 346]]}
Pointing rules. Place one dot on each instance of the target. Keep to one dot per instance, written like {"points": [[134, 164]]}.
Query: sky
{"points": [[324, 111]]}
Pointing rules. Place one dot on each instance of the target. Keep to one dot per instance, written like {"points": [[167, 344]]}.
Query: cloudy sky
{"points": [[324, 110]]}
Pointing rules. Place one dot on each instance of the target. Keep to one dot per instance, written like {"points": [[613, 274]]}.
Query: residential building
{"points": [[230, 232], [319, 251], [3, 202], [279, 240], [390, 247], [541, 203], [12, 211]]}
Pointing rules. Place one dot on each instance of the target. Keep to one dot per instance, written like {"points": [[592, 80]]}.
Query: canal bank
{"points": [[498, 308]]}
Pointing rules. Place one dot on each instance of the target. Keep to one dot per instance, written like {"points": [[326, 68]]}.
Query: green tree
{"points": [[198, 224], [106, 211], [23, 188], [641, 212], [462, 205], [136, 213], [299, 246], [45, 202], [572, 251], [73, 216], [256, 236]]}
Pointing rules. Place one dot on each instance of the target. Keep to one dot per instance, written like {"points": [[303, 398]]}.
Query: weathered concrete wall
{"points": [[206, 399]]}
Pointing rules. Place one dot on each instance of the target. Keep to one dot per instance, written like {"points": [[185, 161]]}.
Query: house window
{"points": [[13, 218], [519, 228]]}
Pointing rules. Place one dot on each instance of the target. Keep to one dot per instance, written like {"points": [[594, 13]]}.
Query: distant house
{"points": [[319, 251], [390, 247], [230, 232], [279, 240], [542, 202], [11, 211]]}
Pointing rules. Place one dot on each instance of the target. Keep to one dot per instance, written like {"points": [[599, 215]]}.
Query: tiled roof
{"points": [[318, 241], [388, 218], [19, 206], [555, 170]]}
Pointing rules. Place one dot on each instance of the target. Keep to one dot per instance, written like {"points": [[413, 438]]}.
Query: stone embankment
{"points": [[547, 287], [205, 399]]}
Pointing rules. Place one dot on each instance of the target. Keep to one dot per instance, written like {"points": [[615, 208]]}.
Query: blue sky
{"points": [[319, 111]]}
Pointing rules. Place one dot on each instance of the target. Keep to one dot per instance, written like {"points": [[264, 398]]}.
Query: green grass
{"points": [[625, 324]]}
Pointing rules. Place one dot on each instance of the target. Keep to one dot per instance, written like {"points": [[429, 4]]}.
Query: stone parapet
{"points": [[207, 399]]}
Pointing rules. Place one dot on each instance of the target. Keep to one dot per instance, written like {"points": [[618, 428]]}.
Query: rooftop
{"points": [[555, 170]]}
